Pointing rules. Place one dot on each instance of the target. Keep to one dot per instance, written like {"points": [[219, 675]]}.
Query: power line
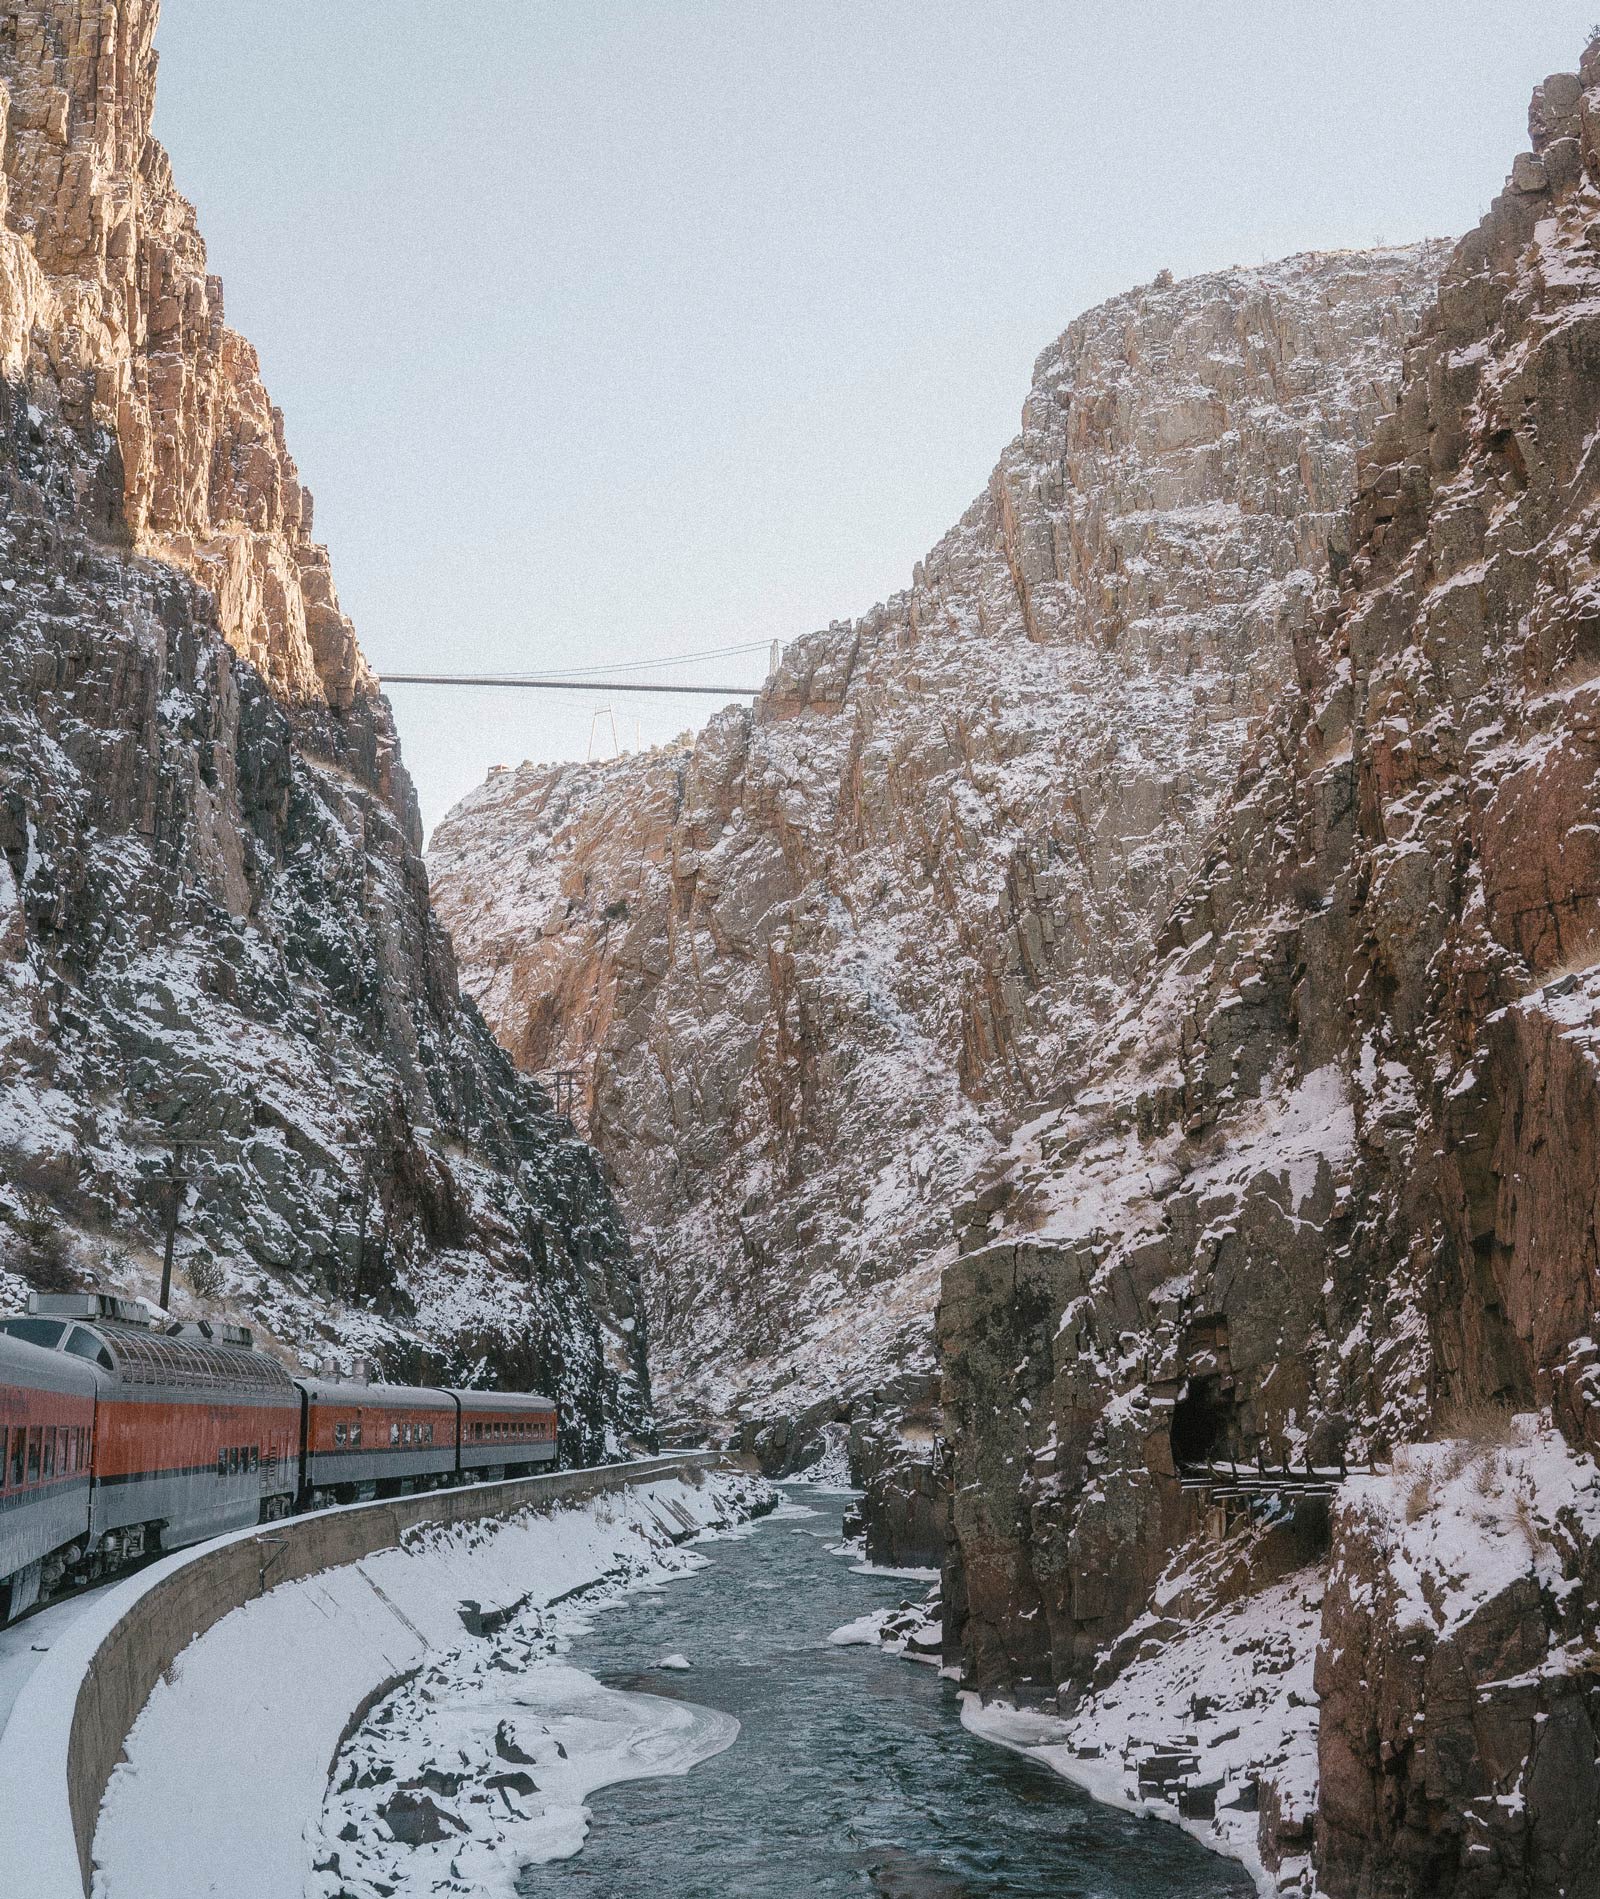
{"points": [[644, 665]]}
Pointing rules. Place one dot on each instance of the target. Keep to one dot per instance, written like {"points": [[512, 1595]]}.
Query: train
{"points": [[121, 1436]]}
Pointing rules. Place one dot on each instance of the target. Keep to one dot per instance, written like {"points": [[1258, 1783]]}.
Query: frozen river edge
{"points": [[233, 1751]]}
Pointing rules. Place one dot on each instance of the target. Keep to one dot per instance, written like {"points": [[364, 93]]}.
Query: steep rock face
{"points": [[1330, 1184], [215, 933], [811, 964]]}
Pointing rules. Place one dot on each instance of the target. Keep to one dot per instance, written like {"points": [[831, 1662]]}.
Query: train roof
{"points": [[117, 1334], [383, 1397], [500, 1400], [43, 1368], [143, 1357]]}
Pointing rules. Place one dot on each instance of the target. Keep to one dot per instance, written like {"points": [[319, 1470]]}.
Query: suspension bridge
{"points": [[603, 679]]}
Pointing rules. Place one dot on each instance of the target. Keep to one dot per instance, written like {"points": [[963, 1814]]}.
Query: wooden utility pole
{"points": [[361, 1225], [176, 1181]]}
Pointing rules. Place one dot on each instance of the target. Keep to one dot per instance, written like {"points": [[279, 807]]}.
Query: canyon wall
{"points": [[1330, 1184], [216, 943], [813, 963]]}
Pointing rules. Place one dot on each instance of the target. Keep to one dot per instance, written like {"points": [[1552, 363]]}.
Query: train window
{"points": [[45, 1332], [255, 1457], [6, 1442], [48, 1467], [222, 1463], [33, 1454], [428, 1428], [394, 1431], [355, 1432], [84, 1344], [405, 1432], [340, 1433]]}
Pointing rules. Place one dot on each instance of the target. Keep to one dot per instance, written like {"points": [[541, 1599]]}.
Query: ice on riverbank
{"points": [[913, 1629], [830, 1472], [1231, 1693], [482, 1764], [229, 1761]]}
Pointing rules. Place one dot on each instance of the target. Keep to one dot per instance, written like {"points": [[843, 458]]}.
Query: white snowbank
{"points": [[1460, 1521], [228, 1763], [498, 1774], [1232, 1690], [912, 1630], [829, 1473]]}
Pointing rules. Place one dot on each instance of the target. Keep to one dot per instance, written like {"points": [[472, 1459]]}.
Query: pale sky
{"points": [[609, 331]]}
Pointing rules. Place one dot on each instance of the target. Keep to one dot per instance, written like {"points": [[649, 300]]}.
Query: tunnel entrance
{"points": [[1203, 1428]]}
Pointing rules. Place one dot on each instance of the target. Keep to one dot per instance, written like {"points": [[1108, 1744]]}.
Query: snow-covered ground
{"points": [[1232, 1692], [1225, 1694], [25, 1644], [911, 1630], [226, 1772]]}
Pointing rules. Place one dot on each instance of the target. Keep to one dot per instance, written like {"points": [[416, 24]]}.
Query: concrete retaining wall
{"points": [[67, 1730]]}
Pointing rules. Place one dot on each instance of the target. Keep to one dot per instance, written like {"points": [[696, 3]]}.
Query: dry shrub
{"points": [[35, 1247], [1522, 1515], [1582, 953], [1584, 1665], [1484, 1424], [1419, 1498], [204, 1273]]}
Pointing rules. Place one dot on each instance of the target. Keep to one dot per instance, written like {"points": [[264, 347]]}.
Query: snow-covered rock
{"points": [[1328, 1183], [216, 943], [813, 962]]}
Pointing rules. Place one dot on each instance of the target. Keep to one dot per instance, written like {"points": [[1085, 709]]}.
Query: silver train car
{"points": [[119, 1438]]}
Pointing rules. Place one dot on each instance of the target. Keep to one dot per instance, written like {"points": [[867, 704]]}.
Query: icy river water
{"points": [[852, 1774]]}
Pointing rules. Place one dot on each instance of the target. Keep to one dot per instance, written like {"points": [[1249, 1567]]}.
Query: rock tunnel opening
{"points": [[1204, 1429]]}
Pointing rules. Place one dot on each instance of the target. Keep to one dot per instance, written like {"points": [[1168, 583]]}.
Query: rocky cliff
{"points": [[1327, 1191], [812, 963], [217, 955]]}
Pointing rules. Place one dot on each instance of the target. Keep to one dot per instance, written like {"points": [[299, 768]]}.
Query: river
{"points": [[852, 1774]]}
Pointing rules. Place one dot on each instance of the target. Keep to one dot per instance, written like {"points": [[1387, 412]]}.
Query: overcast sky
{"points": [[610, 331]]}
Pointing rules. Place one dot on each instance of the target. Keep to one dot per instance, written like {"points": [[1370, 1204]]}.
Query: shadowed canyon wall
{"points": [[1330, 1183], [215, 931]]}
